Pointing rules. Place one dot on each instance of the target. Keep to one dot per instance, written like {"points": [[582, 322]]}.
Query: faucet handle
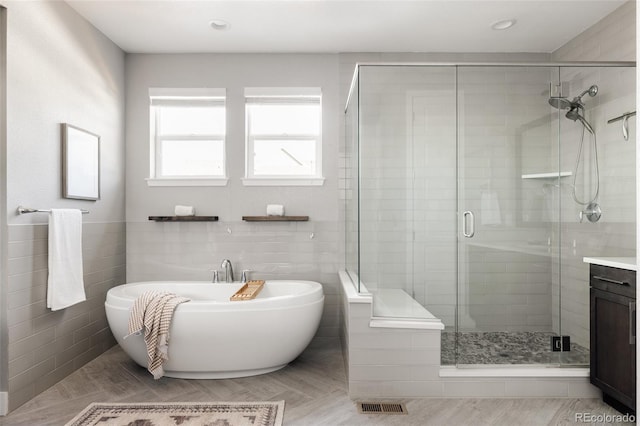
{"points": [[592, 212], [215, 279], [245, 275]]}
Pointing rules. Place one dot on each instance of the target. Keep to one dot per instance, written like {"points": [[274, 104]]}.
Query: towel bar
{"points": [[625, 123], [23, 210]]}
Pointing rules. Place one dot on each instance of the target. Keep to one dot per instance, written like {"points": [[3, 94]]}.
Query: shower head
{"points": [[563, 103], [575, 106], [559, 102], [592, 91], [574, 114]]}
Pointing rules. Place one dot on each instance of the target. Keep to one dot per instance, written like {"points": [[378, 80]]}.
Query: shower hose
{"points": [[575, 172]]}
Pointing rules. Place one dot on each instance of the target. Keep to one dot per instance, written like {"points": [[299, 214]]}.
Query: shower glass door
{"points": [[407, 198], [508, 215]]}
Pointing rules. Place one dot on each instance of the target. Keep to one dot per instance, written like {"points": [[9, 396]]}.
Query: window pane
{"points": [[192, 158], [192, 120], [274, 119], [284, 157]]}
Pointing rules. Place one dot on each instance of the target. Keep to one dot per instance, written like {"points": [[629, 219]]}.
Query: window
{"points": [[283, 136], [188, 128]]}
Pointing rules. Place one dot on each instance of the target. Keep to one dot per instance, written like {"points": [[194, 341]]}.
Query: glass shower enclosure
{"points": [[468, 190]]}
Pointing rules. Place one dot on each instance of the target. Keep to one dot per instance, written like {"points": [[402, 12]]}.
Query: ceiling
{"points": [[176, 26]]}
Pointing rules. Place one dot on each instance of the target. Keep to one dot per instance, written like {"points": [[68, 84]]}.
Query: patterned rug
{"points": [[181, 413]]}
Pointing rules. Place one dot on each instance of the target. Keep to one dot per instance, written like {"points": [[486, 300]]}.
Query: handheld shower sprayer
{"points": [[575, 112], [592, 91]]}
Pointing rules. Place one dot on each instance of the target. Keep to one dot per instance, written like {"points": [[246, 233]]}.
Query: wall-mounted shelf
{"points": [[184, 218], [275, 218], [551, 175]]}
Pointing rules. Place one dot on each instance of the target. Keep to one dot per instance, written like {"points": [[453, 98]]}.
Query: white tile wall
{"points": [[611, 39], [45, 346], [285, 250]]}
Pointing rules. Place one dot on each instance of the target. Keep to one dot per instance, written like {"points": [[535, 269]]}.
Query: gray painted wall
{"points": [[60, 70]]}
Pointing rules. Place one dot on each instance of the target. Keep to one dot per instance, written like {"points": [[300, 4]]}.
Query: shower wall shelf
{"points": [[551, 175], [184, 218], [275, 218]]}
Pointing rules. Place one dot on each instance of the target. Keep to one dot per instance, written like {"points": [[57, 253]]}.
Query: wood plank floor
{"points": [[313, 386]]}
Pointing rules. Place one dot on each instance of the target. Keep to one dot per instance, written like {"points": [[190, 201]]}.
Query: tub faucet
{"points": [[228, 270]]}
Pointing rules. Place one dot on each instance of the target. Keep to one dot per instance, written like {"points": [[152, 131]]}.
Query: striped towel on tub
{"points": [[152, 313]]}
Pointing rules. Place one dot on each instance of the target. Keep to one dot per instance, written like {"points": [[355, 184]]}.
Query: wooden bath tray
{"points": [[248, 291]]}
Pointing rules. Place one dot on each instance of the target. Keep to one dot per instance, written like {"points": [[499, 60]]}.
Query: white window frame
{"points": [[282, 96], [183, 97]]}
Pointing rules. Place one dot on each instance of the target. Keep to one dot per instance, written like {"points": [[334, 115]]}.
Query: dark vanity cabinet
{"points": [[613, 330]]}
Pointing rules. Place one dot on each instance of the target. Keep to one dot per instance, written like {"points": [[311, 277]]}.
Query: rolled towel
{"points": [[185, 211], [275, 210]]}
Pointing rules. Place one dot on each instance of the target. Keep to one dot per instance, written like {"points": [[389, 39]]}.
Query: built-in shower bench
{"points": [[392, 356], [397, 305]]}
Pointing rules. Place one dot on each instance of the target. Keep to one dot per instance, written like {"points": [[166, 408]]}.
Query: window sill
{"points": [[187, 181], [313, 181]]}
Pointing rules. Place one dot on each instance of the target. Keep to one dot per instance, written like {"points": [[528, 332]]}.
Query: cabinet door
{"points": [[612, 346]]}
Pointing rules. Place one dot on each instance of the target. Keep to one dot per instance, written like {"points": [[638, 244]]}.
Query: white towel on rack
{"points": [[65, 283]]}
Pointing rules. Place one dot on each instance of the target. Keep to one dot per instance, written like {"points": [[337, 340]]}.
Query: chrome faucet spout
{"points": [[228, 270]]}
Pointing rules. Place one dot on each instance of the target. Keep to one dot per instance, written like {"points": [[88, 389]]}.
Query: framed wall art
{"points": [[80, 163]]}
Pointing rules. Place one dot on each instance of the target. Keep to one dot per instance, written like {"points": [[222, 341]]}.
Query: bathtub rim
{"points": [[314, 294]]}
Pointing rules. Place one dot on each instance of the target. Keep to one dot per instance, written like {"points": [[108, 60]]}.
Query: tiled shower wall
{"points": [[46, 346], [611, 39], [614, 234], [189, 251]]}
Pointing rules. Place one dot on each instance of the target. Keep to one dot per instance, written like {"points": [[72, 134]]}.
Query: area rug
{"points": [[265, 413]]}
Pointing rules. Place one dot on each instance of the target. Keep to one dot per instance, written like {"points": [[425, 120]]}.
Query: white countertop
{"points": [[628, 263]]}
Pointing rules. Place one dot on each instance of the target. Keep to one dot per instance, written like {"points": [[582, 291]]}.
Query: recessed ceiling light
{"points": [[218, 24], [503, 25]]}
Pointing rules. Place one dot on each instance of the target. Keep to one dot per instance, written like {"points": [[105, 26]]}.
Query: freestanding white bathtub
{"points": [[214, 338]]}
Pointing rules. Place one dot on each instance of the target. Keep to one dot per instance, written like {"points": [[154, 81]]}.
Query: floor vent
{"points": [[381, 408]]}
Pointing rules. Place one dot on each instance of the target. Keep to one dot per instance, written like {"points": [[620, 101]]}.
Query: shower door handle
{"points": [[468, 224]]}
